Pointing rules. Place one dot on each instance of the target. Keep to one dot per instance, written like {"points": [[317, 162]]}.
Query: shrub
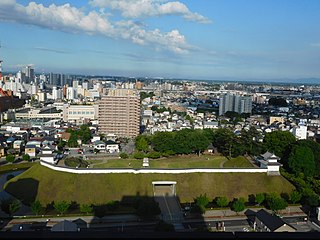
{"points": [[25, 157], [123, 155], [138, 155], [154, 155], [10, 158]]}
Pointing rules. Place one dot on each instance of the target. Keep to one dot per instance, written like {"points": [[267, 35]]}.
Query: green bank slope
{"points": [[48, 185]]}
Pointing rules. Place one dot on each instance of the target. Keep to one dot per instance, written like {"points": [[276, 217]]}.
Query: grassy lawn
{"points": [[47, 185], [15, 166], [191, 161], [238, 162]]}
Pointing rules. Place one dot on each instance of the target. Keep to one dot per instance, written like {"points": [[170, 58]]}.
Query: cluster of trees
{"points": [[185, 141], [278, 102], [144, 206], [272, 201], [144, 95], [84, 134]]}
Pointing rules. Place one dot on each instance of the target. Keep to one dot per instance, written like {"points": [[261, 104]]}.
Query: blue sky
{"points": [[196, 39]]}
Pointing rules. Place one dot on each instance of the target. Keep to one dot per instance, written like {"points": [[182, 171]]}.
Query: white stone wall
{"points": [[170, 171]]}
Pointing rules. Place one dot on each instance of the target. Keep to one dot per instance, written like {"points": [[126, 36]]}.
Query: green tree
{"points": [[142, 143], [315, 147], [163, 141], [62, 207], [85, 133], [301, 159], [86, 208], [201, 202], [10, 158], [295, 196], [73, 140], [276, 203], [36, 207], [26, 157], [225, 141], [279, 142], [190, 119], [250, 140], [222, 201], [238, 206], [259, 198], [10, 206]]}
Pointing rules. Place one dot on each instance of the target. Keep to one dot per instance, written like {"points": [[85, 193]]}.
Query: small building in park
{"points": [[270, 161], [47, 155]]}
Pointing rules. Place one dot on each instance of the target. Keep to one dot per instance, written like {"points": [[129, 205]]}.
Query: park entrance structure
{"points": [[164, 193], [164, 188]]}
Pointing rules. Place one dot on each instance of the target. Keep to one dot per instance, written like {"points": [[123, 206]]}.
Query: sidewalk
{"points": [[229, 214]]}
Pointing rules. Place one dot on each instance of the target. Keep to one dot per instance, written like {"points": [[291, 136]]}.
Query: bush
{"points": [[123, 155], [25, 157], [138, 155], [154, 155], [10, 158]]}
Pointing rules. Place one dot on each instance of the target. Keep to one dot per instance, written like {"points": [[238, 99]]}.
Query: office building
{"points": [[119, 113], [235, 103]]}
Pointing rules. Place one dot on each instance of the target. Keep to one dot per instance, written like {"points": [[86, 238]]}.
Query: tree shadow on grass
{"points": [[25, 190]]}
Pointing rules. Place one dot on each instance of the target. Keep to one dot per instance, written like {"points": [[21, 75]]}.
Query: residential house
{"points": [[265, 222], [31, 150], [112, 147], [99, 145], [47, 155]]}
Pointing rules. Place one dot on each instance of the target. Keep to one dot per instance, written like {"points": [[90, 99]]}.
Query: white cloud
{"points": [[148, 8], [70, 19]]}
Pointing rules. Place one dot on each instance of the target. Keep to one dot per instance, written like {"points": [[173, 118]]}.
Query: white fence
{"points": [[150, 170]]}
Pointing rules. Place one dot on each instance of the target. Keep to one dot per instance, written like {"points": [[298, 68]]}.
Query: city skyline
{"points": [[159, 38]]}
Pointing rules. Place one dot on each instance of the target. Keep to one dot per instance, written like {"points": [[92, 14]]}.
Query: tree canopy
{"points": [[279, 142], [301, 159]]}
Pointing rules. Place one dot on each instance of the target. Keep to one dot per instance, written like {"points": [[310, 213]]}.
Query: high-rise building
{"points": [[235, 103], [119, 113], [29, 73]]}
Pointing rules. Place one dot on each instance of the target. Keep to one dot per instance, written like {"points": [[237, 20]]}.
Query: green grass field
{"points": [[238, 162], [15, 166], [190, 161], [47, 185]]}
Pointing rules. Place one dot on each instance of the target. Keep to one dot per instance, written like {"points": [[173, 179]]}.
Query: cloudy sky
{"points": [[195, 39]]}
